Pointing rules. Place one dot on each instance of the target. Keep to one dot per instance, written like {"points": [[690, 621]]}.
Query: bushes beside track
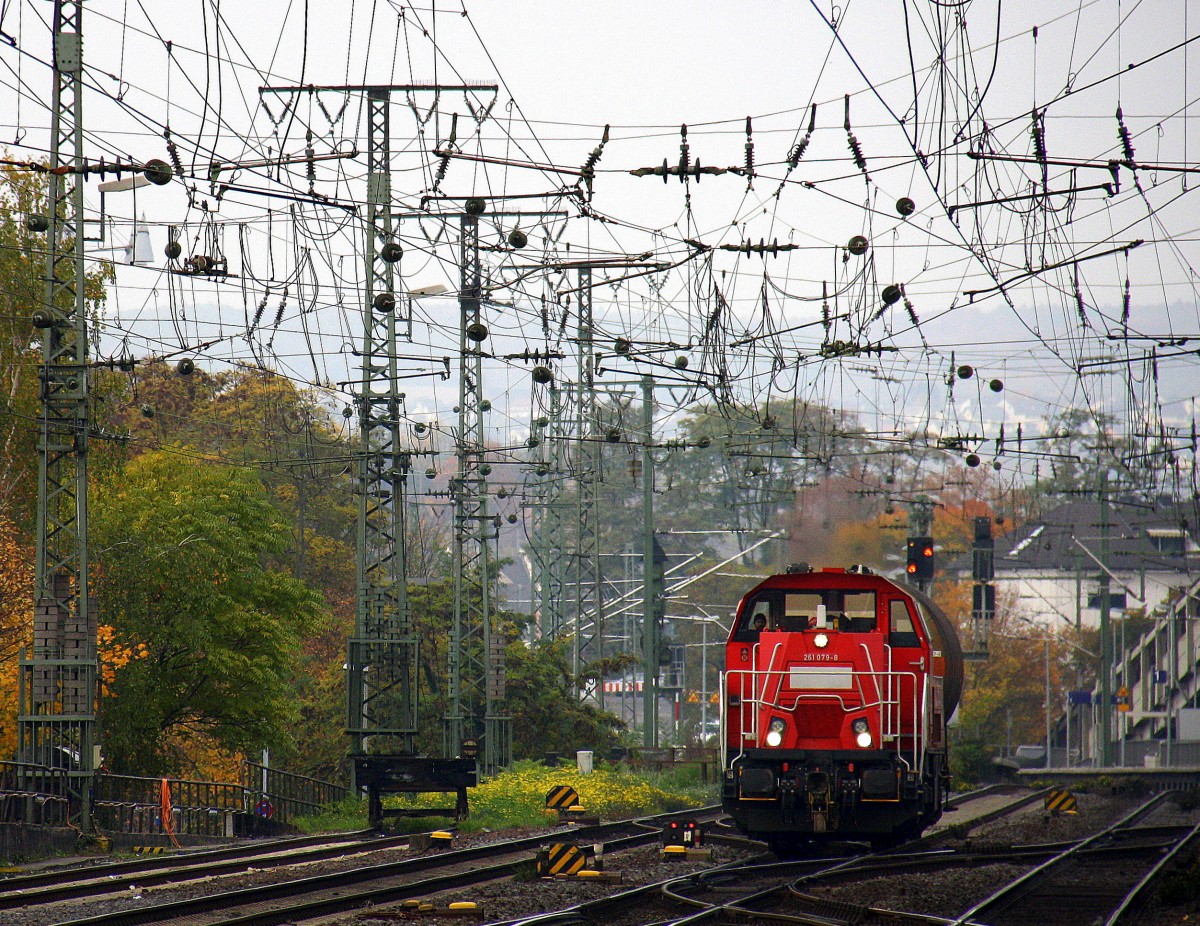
{"points": [[516, 798]]}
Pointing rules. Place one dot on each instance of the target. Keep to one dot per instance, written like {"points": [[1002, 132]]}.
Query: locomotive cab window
{"points": [[755, 618], [845, 611], [800, 610], [858, 612], [903, 633]]}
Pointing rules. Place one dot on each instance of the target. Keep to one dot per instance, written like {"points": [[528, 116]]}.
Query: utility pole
{"points": [[56, 724], [1106, 646]]}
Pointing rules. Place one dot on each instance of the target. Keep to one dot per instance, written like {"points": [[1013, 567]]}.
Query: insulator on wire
{"points": [[855, 148], [1039, 145], [797, 152], [749, 153], [588, 171], [1126, 141], [912, 312], [173, 152], [258, 312], [1038, 133], [310, 165]]}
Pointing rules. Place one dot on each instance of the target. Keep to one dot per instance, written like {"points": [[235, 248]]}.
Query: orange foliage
{"points": [[200, 759], [115, 655], [16, 625]]}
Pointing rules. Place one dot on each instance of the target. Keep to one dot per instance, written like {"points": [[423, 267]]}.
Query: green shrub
{"points": [[517, 798]]}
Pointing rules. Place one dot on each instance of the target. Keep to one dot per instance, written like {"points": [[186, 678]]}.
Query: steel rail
{"points": [[1041, 872], [339, 887]]}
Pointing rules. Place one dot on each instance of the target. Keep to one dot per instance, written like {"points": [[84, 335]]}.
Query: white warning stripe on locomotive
{"points": [[819, 677]]}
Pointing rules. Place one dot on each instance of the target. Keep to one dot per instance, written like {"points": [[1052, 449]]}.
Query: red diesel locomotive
{"points": [[836, 691]]}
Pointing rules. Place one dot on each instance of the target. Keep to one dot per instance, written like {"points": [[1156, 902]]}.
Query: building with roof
{"points": [[1053, 564], [1151, 554]]}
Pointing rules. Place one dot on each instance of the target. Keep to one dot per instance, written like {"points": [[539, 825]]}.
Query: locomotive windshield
{"points": [[796, 611]]}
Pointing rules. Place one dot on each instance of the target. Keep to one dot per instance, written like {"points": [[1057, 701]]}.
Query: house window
{"points": [[1116, 601], [1171, 541]]}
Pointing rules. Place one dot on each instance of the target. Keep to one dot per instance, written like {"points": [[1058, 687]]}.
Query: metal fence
{"points": [[289, 795], [31, 793], [162, 806], [265, 800]]}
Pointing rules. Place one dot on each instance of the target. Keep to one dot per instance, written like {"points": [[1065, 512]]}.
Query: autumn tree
{"points": [[180, 546], [16, 607], [22, 289]]}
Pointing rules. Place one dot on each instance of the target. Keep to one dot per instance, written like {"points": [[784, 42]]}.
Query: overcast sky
{"points": [[1030, 290]]}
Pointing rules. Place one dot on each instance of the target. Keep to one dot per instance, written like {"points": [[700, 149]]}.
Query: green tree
{"points": [[181, 547], [543, 699], [1079, 443]]}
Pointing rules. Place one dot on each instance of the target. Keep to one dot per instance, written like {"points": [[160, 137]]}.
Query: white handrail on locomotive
{"points": [[889, 707], [749, 709]]}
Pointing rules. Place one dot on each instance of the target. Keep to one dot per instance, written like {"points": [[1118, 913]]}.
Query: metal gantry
{"points": [[56, 724], [382, 655]]}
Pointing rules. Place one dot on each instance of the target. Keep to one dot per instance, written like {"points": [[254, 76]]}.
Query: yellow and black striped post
{"points": [[560, 858], [560, 797], [1060, 802]]}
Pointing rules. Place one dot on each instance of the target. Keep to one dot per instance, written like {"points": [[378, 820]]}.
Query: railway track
{"points": [[761, 888], [756, 886], [294, 899], [1104, 878], [92, 880], [1084, 884], [730, 890]]}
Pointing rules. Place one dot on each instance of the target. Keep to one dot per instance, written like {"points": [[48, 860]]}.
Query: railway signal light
{"points": [[920, 558]]}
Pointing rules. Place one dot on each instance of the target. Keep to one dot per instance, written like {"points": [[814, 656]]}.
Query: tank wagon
{"points": [[836, 689]]}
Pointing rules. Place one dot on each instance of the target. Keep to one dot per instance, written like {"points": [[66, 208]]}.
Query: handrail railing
{"points": [[765, 681], [39, 794], [291, 795]]}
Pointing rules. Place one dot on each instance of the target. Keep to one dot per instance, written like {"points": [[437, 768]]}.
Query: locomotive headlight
{"points": [[821, 641], [775, 731], [862, 733]]}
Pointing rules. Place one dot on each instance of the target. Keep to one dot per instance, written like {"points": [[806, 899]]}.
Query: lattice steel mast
{"points": [[56, 724], [589, 597], [382, 658], [382, 664], [476, 658], [549, 524]]}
